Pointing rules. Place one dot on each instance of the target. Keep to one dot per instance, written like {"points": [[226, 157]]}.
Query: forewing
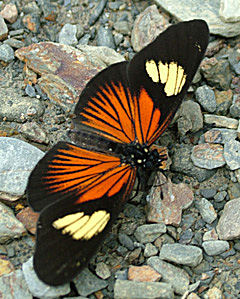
{"points": [[72, 173], [160, 74]]}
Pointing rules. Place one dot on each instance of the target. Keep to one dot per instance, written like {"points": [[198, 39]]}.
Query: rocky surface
{"points": [[183, 239]]}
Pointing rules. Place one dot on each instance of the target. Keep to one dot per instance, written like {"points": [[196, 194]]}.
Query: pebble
{"points": [[28, 219], [208, 192], [235, 107], [232, 154], [105, 38], [3, 29], [150, 250], [166, 201], [97, 12], [33, 131], [147, 26], [219, 135], [17, 159], [189, 117], [181, 254], [126, 289], [39, 288], [217, 72], [143, 273], [233, 58], [206, 98], [215, 247], [126, 241], [32, 22], [6, 266], [223, 101], [210, 235], [84, 40], [149, 232], [220, 196], [208, 155], [6, 53], [122, 27], [30, 91], [220, 121], [176, 277], [68, 35], [228, 227], [15, 282], [87, 283], [14, 43], [10, 13], [206, 210], [102, 271]]}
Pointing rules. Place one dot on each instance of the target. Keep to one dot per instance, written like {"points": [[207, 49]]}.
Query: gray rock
{"points": [[105, 38], [97, 12], [10, 227], [3, 29], [189, 117], [68, 35], [150, 250], [39, 288], [233, 58], [228, 227], [102, 271], [84, 40], [30, 91], [215, 247], [208, 192], [122, 27], [14, 107], [229, 11], [235, 107], [181, 254], [207, 155], [33, 132], [206, 210], [126, 241], [149, 232], [217, 135], [220, 121], [176, 277], [13, 285], [17, 159], [14, 43], [232, 154], [126, 289], [206, 98], [186, 10], [220, 196], [181, 162], [6, 53], [87, 283]]}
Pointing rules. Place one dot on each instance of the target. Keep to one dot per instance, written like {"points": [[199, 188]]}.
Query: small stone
{"points": [[122, 27], [84, 40], [143, 273], [39, 288], [87, 283], [229, 12], [176, 277], [228, 227], [149, 232], [223, 101], [126, 289], [208, 192], [233, 58], [217, 72], [215, 247], [232, 154], [206, 98], [30, 91], [102, 271], [206, 210], [235, 107], [28, 219], [14, 43], [220, 135], [126, 241], [208, 155], [10, 13], [105, 38], [189, 117], [181, 254], [3, 29], [33, 132], [32, 22], [67, 35], [10, 227], [220, 121], [220, 196], [150, 250], [6, 53], [97, 12], [210, 235], [6, 266]]}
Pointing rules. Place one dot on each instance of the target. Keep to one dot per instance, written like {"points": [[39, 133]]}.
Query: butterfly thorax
{"points": [[141, 156]]}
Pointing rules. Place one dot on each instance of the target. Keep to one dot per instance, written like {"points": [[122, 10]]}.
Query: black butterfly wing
{"points": [[137, 100], [79, 193]]}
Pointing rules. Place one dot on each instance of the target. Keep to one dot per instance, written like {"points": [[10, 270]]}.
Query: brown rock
{"points": [[5, 265], [3, 29], [29, 219], [10, 13], [143, 273], [167, 200]]}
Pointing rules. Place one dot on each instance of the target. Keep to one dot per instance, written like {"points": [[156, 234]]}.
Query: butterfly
{"points": [[80, 188]]}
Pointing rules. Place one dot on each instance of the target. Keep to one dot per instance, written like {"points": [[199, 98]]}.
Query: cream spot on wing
{"points": [[163, 71], [152, 70], [82, 227]]}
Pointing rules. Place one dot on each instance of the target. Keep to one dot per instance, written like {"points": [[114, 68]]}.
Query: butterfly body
{"points": [[79, 188]]}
